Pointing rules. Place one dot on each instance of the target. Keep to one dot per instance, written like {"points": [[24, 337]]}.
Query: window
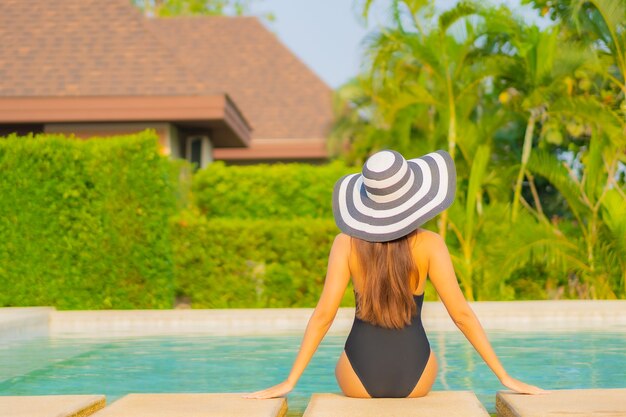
{"points": [[198, 150]]}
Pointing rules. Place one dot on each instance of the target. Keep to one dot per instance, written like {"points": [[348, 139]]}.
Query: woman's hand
{"points": [[279, 390], [521, 387]]}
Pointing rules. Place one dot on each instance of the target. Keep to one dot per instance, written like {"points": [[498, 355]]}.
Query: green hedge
{"points": [[243, 263], [280, 191], [83, 224], [94, 224]]}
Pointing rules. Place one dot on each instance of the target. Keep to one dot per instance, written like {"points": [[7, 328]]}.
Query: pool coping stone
{"points": [[51, 405], [435, 403], [605, 402], [539, 315], [193, 405], [493, 315], [17, 322]]}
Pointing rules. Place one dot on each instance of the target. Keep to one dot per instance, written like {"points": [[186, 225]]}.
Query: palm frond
{"points": [[461, 10], [548, 166], [474, 189], [613, 12], [614, 216], [593, 112]]}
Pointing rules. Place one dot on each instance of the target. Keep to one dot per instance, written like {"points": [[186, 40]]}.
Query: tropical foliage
{"points": [[535, 118], [165, 8]]}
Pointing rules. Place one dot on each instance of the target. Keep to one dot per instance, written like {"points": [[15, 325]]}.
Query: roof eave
{"points": [[218, 112]]}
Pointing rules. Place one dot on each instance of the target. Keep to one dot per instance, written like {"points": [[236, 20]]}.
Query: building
{"points": [[212, 87]]}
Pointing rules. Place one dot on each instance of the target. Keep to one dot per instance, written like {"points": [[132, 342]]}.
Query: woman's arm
{"points": [[441, 273], [337, 278]]}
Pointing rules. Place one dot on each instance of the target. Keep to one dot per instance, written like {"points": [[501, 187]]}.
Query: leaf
{"points": [[594, 113], [474, 190], [549, 167], [461, 10], [614, 216]]}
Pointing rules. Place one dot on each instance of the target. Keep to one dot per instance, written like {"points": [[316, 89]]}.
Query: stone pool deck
{"points": [[51, 405], [193, 405], [559, 403], [563, 403], [436, 403], [18, 322], [562, 315]]}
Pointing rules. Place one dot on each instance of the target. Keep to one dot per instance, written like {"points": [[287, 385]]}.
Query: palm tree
{"points": [[358, 129], [594, 195], [465, 262], [601, 23], [533, 75], [459, 81], [432, 75]]}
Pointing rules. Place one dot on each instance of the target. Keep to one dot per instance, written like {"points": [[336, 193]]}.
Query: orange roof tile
{"points": [[276, 91], [85, 48]]}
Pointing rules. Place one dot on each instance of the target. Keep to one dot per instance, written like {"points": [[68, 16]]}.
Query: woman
{"points": [[379, 211]]}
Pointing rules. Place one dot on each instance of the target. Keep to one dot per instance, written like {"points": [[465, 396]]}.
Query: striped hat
{"points": [[392, 196]]}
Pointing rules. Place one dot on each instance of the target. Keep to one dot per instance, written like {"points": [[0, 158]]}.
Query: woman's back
{"points": [[418, 243], [389, 361]]}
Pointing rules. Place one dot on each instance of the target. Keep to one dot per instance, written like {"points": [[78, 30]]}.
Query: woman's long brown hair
{"points": [[386, 296]]}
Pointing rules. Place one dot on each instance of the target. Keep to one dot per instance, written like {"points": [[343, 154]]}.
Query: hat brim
{"points": [[432, 192]]}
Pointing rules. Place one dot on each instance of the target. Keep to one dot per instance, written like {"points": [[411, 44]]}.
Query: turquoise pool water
{"points": [[117, 366]]}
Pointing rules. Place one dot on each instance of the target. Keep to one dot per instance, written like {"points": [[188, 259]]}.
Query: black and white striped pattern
{"points": [[393, 196]]}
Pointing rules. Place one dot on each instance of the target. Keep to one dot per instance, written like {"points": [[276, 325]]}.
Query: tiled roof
{"points": [[84, 48], [276, 91], [107, 48]]}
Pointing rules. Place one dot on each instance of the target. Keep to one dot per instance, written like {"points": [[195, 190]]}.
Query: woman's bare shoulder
{"points": [[429, 241], [342, 241]]}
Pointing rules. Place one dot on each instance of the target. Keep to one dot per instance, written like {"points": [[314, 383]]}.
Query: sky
{"points": [[325, 34], [328, 34]]}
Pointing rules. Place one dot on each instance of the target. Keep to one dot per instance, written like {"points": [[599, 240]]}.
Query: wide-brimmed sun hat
{"points": [[393, 196]]}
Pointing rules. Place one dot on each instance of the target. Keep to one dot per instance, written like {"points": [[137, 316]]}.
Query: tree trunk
{"points": [[528, 144], [443, 222]]}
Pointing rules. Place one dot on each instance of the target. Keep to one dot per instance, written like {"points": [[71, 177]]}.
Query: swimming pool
{"points": [[119, 365]]}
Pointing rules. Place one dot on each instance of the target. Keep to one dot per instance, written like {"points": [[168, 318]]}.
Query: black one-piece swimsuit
{"points": [[389, 362]]}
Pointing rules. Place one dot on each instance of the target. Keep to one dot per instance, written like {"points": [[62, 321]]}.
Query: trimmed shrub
{"points": [[264, 238], [223, 263], [279, 191], [83, 224]]}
